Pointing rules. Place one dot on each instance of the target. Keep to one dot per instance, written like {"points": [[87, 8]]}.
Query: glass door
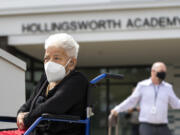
{"points": [[109, 93]]}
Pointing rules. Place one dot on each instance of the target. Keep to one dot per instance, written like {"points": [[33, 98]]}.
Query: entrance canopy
{"points": [[120, 34], [119, 53]]}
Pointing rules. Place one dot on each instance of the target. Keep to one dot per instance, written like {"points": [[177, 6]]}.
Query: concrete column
{"points": [[4, 42], [177, 80]]}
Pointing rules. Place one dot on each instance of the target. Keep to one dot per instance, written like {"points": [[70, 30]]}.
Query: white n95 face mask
{"points": [[54, 71]]}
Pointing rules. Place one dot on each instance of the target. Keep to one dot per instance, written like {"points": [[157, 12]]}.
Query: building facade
{"points": [[117, 36]]}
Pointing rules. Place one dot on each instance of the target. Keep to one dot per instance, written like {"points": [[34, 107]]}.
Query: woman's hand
{"points": [[20, 120]]}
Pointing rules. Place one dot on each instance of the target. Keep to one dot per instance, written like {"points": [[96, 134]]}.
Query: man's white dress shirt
{"points": [[153, 101]]}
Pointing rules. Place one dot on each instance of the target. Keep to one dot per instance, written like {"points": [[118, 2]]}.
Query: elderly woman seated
{"points": [[61, 90]]}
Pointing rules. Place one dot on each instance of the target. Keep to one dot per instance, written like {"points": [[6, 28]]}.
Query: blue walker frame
{"points": [[49, 118]]}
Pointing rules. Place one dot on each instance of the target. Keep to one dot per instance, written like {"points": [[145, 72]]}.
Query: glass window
{"points": [[98, 123], [119, 90], [37, 75], [38, 65], [28, 75], [29, 89]]}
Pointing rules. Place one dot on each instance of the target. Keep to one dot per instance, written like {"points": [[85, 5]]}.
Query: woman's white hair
{"points": [[64, 41]]}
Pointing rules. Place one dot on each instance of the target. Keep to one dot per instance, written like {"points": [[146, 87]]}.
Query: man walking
{"points": [[153, 95]]}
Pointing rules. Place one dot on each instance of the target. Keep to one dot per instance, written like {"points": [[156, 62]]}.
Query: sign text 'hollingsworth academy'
{"points": [[102, 24]]}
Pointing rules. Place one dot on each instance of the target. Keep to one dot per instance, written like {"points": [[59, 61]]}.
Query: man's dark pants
{"points": [[154, 129]]}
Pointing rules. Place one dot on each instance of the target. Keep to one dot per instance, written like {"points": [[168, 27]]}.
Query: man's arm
{"points": [[129, 103], [174, 101]]}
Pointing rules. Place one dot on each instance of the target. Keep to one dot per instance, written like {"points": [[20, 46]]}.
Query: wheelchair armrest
{"points": [[63, 117], [7, 119]]}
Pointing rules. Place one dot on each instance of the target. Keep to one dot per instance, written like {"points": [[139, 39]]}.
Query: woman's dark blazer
{"points": [[66, 98]]}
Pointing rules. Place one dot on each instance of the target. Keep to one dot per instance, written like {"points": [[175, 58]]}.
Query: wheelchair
{"points": [[67, 118]]}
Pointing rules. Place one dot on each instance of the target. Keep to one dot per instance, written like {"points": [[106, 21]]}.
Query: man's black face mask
{"points": [[161, 75]]}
